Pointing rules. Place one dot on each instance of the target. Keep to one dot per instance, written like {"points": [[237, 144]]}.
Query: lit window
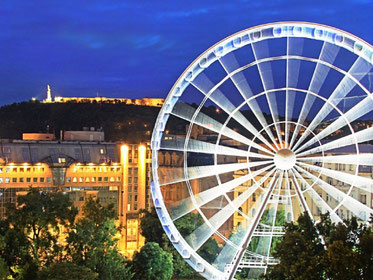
{"points": [[7, 180], [111, 179], [93, 179], [86, 179], [80, 179], [128, 207], [102, 151], [49, 179], [75, 179], [1, 180], [118, 179], [7, 170], [68, 179], [61, 160], [1, 170]]}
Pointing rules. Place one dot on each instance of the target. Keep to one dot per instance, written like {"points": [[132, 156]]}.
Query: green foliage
{"points": [[93, 242], [66, 270], [31, 231], [152, 230], [347, 251], [152, 263]]}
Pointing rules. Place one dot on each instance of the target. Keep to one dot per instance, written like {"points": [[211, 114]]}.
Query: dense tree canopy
{"points": [[325, 251], [41, 237], [152, 263]]}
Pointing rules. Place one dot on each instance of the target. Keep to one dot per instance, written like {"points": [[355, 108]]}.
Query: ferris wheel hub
{"points": [[285, 159]]}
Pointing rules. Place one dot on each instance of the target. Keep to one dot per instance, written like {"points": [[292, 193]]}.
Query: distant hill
{"points": [[120, 122]]}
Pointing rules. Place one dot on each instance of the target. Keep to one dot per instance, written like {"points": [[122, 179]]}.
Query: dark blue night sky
{"points": [[135, 48]]}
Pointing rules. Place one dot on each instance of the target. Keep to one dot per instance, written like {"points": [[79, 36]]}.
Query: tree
{"points": [[324, 251], [66, 270], [152, 263], [93, 242], [32, 228], [300, 252], [152, 230]]}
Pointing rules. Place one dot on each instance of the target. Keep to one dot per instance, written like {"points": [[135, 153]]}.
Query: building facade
{"points": [[111, 172]]}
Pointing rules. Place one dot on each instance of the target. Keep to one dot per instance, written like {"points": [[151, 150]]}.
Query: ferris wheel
{"points": [[256, 132]]}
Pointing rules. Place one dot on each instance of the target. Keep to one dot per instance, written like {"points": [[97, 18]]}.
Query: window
{"points": [[118, 179], [87, 179], [49, 179], [135, 198], [129, 188], [61, 160], [135, 206], [35, 179], [102, 151], [75, 179], [28, 169], [93, 179], [7, 170], [99, 179], [129, 180], [1, 170], [106, 179], [7, 180], [68, 179], [129, 197], [363, 198], [1, 180], [254, 197], [28, 180], [21, 180], [135, 189], [80, 179], [135, 180], [111, 179], [14, 180], [129, 170], [41, 179]]}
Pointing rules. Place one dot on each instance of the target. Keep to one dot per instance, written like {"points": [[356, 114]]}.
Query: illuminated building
{"points": [[111, 172], [146, 101]]}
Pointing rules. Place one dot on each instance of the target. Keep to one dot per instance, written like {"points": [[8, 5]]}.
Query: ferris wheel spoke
{"points": [[247, 236], [358, 137], [363, 183], [299, 193], [196, 146], [187, 205], [318, 77], [186, 112], [357, 111], [289, 204], [267, 82], [206, 87], [197, 238], [316, 198], [360, 210], [228, 252], [244, 89], [180, 174], [363, 159], [342, 89]]}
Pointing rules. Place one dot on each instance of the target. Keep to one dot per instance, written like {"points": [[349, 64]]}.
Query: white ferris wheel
{"points": [[255, 132]]}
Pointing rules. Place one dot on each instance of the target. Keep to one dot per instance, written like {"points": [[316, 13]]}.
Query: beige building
{"points": [[111, 172]]}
